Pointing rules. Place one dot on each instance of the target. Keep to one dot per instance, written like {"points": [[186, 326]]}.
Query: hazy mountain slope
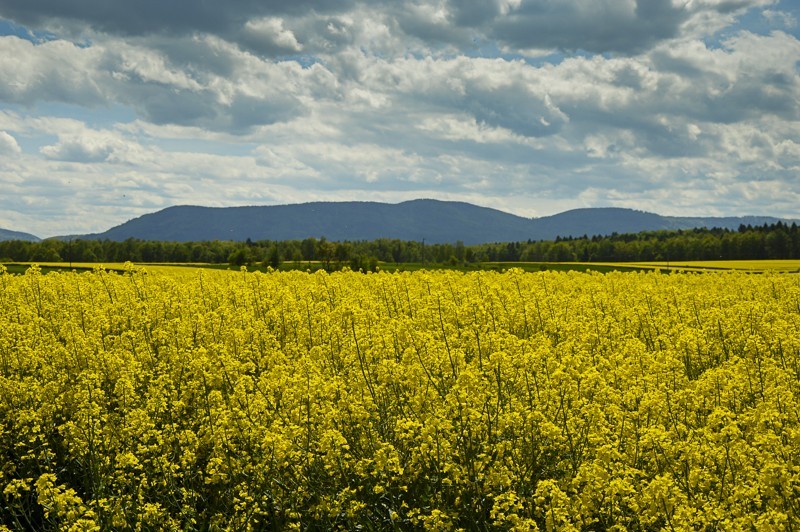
{"points": [[608, 220], [6, 234], [602, 221], [727, 222], [432, 220]]}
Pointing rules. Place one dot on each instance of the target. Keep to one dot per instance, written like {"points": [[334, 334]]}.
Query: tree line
{"points": [[769, 241]]}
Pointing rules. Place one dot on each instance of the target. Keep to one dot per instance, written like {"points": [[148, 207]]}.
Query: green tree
{"points": [[778, 244], [274, 259], [45, 252], [325, 252], [240, 257], [308, 248], [342, 252]]}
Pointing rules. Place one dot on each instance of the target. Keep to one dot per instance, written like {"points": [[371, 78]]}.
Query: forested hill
{"points": [[433, 221], [5, 234], [430, 220]]}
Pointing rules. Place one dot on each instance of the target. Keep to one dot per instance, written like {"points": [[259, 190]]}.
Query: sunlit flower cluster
{"points": [[435, 400]]}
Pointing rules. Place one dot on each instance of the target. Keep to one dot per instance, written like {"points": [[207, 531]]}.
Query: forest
{"points": [[769, 241]]}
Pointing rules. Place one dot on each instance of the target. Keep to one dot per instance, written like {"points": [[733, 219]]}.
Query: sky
{"points": [[113, 109]]}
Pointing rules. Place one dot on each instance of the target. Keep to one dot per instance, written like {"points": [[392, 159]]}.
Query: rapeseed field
{"points": [[440, 400]]}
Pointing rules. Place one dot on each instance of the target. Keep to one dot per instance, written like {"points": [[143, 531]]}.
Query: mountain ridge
{"points": [[7, 234], [434, 221]]}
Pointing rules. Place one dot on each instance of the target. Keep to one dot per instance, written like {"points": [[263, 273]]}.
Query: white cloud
{"points": [[780, 18], [268, 34], [8, 144], [138, 64], [460, 128], [268, 103], [51, 71]]}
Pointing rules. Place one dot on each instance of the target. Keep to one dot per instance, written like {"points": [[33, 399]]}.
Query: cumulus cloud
{"points": [[80, 150], [250, 92], [51, 71], [601, 26], [274, 27], [529, 105], [269, 35], [156, 16], [8, 144]]}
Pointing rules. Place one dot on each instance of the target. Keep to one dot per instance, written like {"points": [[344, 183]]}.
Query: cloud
{"points": [[249, 93], [8, 144], [496, 93], [780, 18], [602, 26], [269, 36], [749, 76], [155, 16], [80, 150], [51, 71], [529, 105], [275, 28], [210, 82]]}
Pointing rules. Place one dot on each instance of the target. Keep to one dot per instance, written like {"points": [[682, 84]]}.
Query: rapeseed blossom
{"points": [[434, 400]]}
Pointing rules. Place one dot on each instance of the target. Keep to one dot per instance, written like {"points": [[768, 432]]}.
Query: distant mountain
{"points": [[5, 234], [608, 220], [432, 220]]}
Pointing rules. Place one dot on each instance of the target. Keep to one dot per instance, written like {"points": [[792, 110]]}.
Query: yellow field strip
{"points": [[742, 265], [738, 265], [114, 265]]}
